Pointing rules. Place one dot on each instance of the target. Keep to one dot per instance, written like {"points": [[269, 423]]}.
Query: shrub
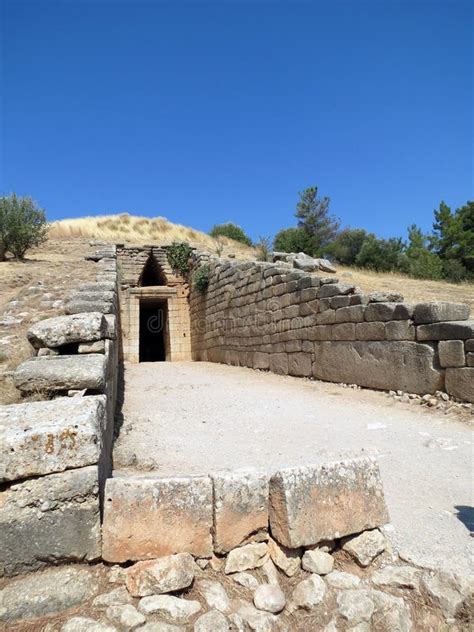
{"points": [[347, 245], [22, 225], [263, 247], [382, 255], [218, 247], [427, 265], [293, 240], [201, 278], [178, 257], [453, 270], [232, 231]]}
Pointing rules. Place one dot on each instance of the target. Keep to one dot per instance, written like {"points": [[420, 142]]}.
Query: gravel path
{"points": [[191, 418]]}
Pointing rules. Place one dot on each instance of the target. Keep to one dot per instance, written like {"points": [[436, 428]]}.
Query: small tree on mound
{"points": [[232, 231], [22, 225]]}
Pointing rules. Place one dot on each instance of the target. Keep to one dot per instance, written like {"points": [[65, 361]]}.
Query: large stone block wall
{"points": [[55, 454], [267, 316]]}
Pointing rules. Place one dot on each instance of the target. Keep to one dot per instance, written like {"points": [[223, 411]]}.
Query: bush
{"points": [[201, 278], [232, 231], [22, 225], [263, 247], [347, 245], [453, 270], [293, 240], [427, 265], [178, 257], [382, 255]]}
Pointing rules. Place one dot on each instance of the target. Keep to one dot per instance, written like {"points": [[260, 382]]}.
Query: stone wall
{"points": [[271, 317], [55, 453]]}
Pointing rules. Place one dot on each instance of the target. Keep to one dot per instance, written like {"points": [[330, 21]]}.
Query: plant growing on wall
{"points": [[178, 257], [201, 278]]}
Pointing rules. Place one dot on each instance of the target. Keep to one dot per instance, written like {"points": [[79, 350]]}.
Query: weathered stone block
{"points": [[470, 358], [279, 363], [79, 306], [145, 518], [400, 330], [63, 330], [343, 331], [335, 289], [406, 366], [454, 330], [299, 364], [340, 301], [167, 574], [370, 331], [451, 353], [469, 344], [98, 286], [439, 311], [388, 311], [352, 314], [240, 508], [92, 347], [261, 360], [325, 502], [385, 297], [61, 373], [50, 519], [40, 438], [460, 383]]}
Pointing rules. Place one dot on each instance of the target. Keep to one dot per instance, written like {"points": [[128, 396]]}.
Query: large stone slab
{"points": [[389, 365], [79, 306], [460, 383], [452, 330], [146, 518], [324, 502], [240, 508], [63, 330], [439, 311], [53, 591], [60, 373], [50, 519], [40, 438]]}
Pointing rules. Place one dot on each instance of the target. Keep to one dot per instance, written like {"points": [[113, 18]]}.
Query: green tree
{"points": [[453, 240], [22, 225], [382, 255], [347, 245], [418, 261], [232, 231], [293, 240], [313, 217]]}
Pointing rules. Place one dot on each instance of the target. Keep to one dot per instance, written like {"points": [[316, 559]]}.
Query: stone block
{"points": [[63, 330], [352, 314], [343, 331], [389, 365], [80, 306], [50, 519], [370, 331], [240, 508], [40, 438], [469, 345], [334, 289], [340, 301], [453, 330], [470, 358], [146, 518], [61, 373], [91, 347], [261, 360], [167, 574], [385, 297], [451, 353], [460, 383], [440, 311], [98, 286], [388, 311], [279, 363], [299, 364], [400, 330], [327, 501]]}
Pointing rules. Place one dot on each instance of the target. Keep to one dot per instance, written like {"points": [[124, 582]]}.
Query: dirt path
{"points": [[191, 418]]}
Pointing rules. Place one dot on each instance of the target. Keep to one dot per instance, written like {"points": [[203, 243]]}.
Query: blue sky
{"points": [[217, 111]]}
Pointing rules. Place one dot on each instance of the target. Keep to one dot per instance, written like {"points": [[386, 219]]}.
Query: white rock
{"points": [[355, 606], [248, 616], [271, 573], [160, 626], [317, 561], [166, 574], [391, 613], [126, 616], [214, 595], [246, 557], [172, 609], [308, 593], [288, 560], [451, 591], [117, 575], [84, 624], [246, 580], [397, 577], [365, 547], [212, 621], [270, 598], [116, 597], [341, 580]]}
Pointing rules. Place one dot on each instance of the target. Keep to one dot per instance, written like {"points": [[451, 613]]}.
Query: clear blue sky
{"points": [[217, 111]]}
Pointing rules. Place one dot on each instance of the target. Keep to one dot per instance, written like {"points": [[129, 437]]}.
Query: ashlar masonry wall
{"points": [[272, 317]]}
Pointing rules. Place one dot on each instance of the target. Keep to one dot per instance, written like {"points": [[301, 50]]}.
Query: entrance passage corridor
{"points": [[192, 418]]}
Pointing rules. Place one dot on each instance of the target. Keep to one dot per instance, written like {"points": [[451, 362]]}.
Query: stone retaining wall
{"points": [[55, 454], [270, 317]]}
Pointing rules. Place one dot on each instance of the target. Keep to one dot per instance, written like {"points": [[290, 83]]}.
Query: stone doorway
{"points": [[154, 331]]}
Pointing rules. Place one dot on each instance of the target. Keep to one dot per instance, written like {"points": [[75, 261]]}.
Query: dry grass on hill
{"points": [[143, 230]]}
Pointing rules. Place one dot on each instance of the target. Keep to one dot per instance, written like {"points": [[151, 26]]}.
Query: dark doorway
{"points": [[153, 321]]}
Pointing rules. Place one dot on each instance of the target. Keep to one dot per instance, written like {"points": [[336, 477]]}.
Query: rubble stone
{"points": [[166, 574], [364, 548]]}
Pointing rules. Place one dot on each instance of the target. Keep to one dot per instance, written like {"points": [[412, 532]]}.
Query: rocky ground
{"points": [[355, 585], [32, 290]]}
